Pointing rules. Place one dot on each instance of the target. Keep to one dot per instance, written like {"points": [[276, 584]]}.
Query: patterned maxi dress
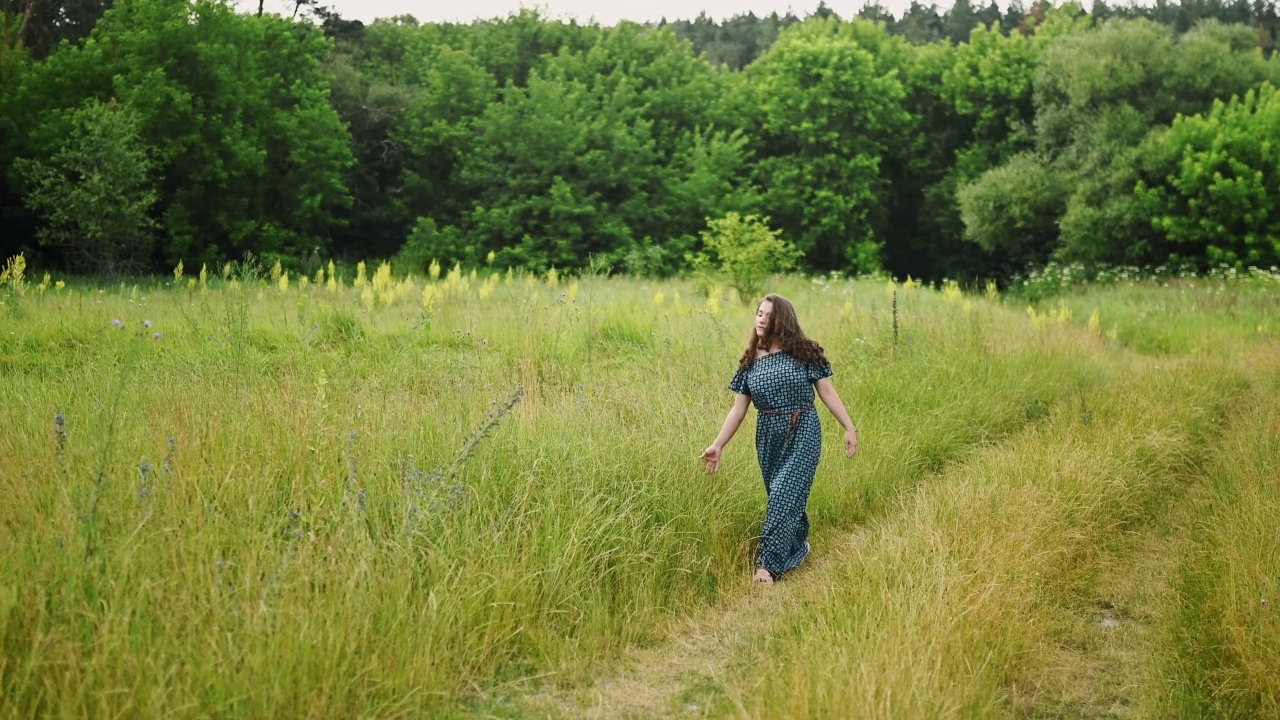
{"points": [[788, 444]]}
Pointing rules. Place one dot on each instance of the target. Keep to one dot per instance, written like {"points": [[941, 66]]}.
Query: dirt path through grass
{"points": [[683, 676], [1104, 664], [1107, 663]]}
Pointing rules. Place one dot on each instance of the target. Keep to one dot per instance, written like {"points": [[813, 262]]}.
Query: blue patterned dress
{"points": [[788, 445]]}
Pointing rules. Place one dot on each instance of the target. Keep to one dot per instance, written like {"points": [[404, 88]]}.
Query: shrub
{"points": [[743, 252]]}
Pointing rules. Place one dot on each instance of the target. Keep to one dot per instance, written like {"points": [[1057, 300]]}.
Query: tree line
{"points": [[970, 143]]}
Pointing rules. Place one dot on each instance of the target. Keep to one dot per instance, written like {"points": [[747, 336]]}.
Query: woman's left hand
{"points": [[850, 443]]}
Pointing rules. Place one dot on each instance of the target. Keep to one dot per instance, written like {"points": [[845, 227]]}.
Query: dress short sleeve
{"points": [[739, 383], [817, 372]]}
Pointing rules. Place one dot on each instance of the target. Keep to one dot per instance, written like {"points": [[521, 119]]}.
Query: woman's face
{"points": [[762, 317]]}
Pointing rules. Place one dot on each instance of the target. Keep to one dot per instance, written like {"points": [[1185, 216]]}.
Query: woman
{"points": [[779, 372]]}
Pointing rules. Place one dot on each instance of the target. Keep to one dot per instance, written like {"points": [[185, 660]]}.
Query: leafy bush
{"points": [[1014, 209], [427, 243], [1222, 204], [95, 193], [744, 252]]}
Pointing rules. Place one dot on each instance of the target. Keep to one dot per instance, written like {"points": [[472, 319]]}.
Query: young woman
{"points": [[779, 372]]}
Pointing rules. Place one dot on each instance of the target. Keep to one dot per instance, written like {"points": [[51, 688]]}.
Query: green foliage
{"points": [[1099, 95], [744, 252], [235, 108], [428, 243], [600, 149], [1222, 203], [989, 87], [96, 191], [1013, 209], [826, 116], [551, 141]]}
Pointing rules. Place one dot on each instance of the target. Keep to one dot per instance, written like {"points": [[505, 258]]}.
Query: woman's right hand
{"points": [[711, 458]]}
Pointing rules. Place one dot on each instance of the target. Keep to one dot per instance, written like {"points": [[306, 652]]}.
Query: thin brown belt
{"points": [[791, 427]]}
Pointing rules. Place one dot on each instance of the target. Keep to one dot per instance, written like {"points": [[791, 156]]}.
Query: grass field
{"points": [[477, 495]]}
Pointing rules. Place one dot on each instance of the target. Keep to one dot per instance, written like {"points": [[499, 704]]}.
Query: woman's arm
{"points": [[711, 456], [831, 399]]}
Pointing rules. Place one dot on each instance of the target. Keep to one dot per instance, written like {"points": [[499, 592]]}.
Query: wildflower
{"points": [[490, 257], [59, 285], [433, 270], [1063, 315], [659, 298], [573, 291], [144, 484], [276, 271], [117, 322], [167, 465], [177, 273], [713, 301], [951, 292], [12, 273], [353, 473], [294, 527], [360, 277], [204, 274], [553, 277], [155, 336], [146, 323]]}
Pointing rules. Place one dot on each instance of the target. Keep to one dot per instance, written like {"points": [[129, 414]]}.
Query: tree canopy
{"points": [[967, 143]]}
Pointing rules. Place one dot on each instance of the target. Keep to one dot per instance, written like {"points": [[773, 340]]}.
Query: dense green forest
{"points": [[970, 143]]}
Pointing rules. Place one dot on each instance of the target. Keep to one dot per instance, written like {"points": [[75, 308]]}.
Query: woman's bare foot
{"points": [[763, 576]]}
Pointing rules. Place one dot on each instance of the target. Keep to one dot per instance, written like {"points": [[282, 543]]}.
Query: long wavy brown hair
{"points": [[783, 330]]}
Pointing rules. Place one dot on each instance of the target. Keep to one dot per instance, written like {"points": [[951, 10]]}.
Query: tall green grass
{"points": [[314, 501]]}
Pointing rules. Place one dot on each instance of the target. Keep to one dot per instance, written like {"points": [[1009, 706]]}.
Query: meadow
{"points": [[477, 494]]}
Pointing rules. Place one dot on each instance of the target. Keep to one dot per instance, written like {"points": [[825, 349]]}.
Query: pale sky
{"points": [[605, 12]]}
